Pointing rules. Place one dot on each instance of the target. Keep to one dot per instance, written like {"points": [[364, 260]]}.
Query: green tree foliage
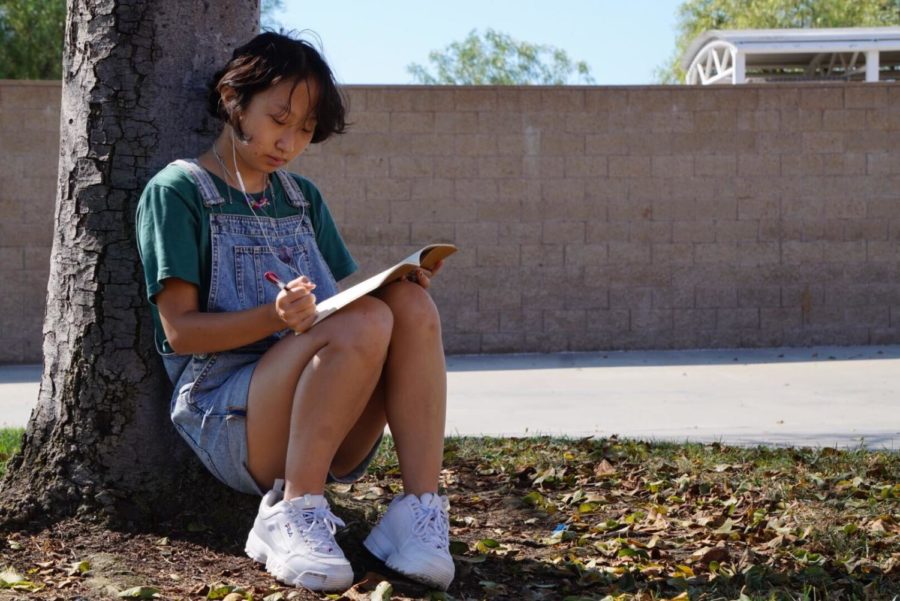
{"points": [[697, 16], [31, 38], [498, 59], [267, 9], [32, 32]]}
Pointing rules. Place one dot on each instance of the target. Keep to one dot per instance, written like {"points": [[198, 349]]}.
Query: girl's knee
{"points": [[412, 305], [374, 318], [366, 327]]}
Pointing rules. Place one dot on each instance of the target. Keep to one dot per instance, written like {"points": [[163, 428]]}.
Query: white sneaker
{"points": [[295, 540], [413, 539]]}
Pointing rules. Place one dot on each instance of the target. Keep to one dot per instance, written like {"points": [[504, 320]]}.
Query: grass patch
{"points": [[547, 519], [10, 441], [659, 520]]}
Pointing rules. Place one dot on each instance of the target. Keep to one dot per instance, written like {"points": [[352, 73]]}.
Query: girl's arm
{"points": [[191, 331]]}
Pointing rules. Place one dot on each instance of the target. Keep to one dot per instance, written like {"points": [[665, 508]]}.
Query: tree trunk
{"points": [[133, 98]]}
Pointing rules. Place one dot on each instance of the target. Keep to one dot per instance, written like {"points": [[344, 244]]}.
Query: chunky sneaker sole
{"points": [[415, 568], [259, 551]]}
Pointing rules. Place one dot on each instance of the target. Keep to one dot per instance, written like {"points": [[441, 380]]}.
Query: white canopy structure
{"points": [[763, 55]]}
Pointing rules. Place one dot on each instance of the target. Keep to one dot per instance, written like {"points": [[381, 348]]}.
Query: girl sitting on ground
{"points": [[272, 405]]}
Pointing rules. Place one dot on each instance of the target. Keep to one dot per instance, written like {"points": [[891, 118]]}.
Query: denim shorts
{"points": [[209, 410]]}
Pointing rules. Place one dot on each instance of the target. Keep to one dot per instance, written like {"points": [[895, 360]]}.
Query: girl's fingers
{"points": [[301, 322], [421, 277], [304, 324], [289, 301], [297, 305], [301, 282], [295, 291], [296, 288], [301, 302]]}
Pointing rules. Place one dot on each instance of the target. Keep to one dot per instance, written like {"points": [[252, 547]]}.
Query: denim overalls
{"points": [[209, 404]]}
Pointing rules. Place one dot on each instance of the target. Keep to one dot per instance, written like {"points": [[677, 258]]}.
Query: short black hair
{"points": [[266, 60]]}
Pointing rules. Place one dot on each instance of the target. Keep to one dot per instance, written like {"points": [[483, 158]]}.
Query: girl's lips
{"points": [[275, 160]]}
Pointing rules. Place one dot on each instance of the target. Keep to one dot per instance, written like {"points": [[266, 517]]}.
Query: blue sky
{"points": [[369, 42]]}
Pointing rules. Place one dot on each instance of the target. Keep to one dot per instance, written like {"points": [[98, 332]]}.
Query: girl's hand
{"points": [[422, 277], [296, 304]]}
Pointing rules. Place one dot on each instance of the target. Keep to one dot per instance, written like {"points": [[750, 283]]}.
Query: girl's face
{"points": [[280, 122]]}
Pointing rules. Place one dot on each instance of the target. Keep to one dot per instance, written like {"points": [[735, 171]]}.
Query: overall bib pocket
{"points": [[251, 264]]}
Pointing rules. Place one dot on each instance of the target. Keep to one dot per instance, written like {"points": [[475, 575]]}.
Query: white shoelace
{"points": [[432, 524], [317, 526]]}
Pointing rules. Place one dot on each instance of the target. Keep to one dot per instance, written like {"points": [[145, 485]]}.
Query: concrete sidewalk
{"points": [[826, 396], [19, 385]]}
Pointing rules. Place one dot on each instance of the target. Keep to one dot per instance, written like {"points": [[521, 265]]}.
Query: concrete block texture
{"points": [[588, 218]]}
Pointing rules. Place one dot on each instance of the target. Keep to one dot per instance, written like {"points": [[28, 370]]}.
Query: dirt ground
{"points": [[541, 520], [76, 559]]}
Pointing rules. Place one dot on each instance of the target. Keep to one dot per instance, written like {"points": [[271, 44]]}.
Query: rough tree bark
{"points": [[134, 77]]}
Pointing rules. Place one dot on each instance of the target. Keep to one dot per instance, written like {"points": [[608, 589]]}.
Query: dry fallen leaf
{"points": [[877, 526], [604, 469], [709, 554]]}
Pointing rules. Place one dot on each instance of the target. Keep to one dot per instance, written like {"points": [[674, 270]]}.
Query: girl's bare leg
{"points": [[415, 385], [322, 399], [308, 392]]}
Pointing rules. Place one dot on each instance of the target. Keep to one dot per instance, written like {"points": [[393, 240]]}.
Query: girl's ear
{"points": [[228, 99], [227, 93]]}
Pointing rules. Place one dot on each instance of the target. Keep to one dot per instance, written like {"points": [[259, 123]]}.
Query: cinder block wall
{"points": [[624, 218], [29, 156], [614, 218]]}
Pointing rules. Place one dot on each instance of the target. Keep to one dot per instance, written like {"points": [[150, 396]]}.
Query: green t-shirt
{"points": [[174, 239]]}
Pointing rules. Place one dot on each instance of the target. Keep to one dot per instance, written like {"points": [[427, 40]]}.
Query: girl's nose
{"points": [[285, 142]]}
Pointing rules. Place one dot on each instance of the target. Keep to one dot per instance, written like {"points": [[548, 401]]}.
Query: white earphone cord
{"points": [[249, 201]]}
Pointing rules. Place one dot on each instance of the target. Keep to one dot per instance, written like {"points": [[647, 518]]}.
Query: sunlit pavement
{"points": [[828, 396], [824, 396]]}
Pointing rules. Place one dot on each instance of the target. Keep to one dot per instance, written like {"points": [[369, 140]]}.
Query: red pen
{"points": [[270, 276]]}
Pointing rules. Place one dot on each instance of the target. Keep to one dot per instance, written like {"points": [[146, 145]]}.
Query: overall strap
{"points": [[208, 190], [295, 194]]}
